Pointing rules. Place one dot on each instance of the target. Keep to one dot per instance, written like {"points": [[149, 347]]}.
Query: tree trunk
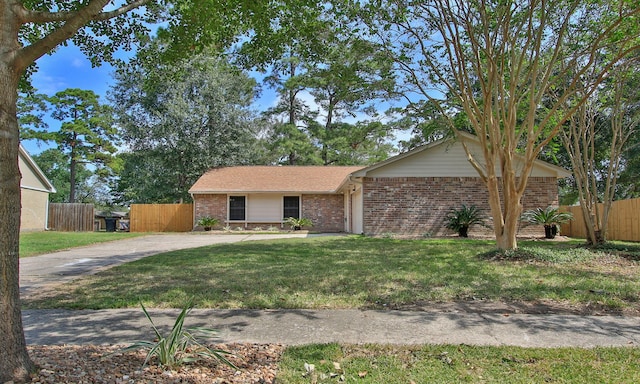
{"points": [[15, 364], [507, 239], [72, 177], [505, 222]]}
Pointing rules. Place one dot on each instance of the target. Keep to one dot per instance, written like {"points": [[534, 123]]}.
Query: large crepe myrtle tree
{"points": [[512, 67], [30, 29]]}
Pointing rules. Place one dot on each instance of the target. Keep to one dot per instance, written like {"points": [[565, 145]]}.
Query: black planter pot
{"points": [[550, 231]]}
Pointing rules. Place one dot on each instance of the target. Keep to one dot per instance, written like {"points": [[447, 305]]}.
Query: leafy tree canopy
{"points": [[195, 115]]}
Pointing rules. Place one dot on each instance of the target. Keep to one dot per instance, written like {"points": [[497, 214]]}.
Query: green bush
{"points": [[549, 217], [460, 220], [296, 223], [207, 222]]}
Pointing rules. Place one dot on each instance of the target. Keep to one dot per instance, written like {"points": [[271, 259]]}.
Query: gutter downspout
{"points": [[352, 191], [46, 216], [193, 208]]}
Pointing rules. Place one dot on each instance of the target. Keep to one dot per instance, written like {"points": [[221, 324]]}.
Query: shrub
{"points": [[207, 222], [296, 223], [180, 346], [549, 217], [462, 219]]}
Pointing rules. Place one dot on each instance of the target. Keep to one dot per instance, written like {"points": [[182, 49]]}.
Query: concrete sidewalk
{"points": [[295, 327]]}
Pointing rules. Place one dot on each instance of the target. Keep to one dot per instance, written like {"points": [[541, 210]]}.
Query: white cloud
{"points": [[47, 84], [78, 62]]}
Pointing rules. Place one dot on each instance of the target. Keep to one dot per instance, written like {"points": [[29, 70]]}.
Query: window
{"points": [[291, 207], [237, 207]]}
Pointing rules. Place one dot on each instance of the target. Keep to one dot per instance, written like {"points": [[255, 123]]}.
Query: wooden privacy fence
{"points": [[71, 217], [624, 221], [161, 218]]}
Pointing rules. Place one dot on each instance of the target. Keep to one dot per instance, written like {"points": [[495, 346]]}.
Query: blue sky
{"points": [[67, 68]]}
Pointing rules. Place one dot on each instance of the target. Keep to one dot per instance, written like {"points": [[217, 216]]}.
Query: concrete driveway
{"points": [[59, 267]]}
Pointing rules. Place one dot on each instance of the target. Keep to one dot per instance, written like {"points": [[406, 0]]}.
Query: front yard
{"points": [[359, 272]]}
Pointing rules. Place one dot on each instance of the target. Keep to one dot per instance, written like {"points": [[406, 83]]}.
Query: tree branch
{"points": [[120, 11], [73, 21], [41, 17]]}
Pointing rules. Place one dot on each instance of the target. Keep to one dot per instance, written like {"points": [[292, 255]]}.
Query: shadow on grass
{"points": [[352, 272]]}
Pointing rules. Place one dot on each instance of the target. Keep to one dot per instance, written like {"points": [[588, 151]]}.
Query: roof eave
{"points": [[226, 192], [45, 180]]}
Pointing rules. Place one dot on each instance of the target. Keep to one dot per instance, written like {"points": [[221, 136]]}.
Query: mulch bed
{"points": [[257, 363]]}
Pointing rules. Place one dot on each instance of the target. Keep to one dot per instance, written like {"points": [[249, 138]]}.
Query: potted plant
{"points": [[207, 222], [297, 224], [461, 219], [550, 217]]}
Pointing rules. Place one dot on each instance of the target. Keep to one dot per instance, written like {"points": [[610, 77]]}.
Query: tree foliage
{"points": [[55, 165], [86, 134], [193, 116], [320, 90], [511, 67]]}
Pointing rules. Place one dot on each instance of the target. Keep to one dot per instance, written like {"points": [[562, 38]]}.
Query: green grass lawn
{"points": [[37, 243], [357, 272], [457, 364]]}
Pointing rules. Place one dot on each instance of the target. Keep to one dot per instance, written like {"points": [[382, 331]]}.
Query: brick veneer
{"points": [[325, 211], [418, 205], [210, 205]]}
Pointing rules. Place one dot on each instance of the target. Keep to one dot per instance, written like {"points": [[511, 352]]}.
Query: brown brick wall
{"points": [[210, 205], [325, 211], [417, 206]]}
